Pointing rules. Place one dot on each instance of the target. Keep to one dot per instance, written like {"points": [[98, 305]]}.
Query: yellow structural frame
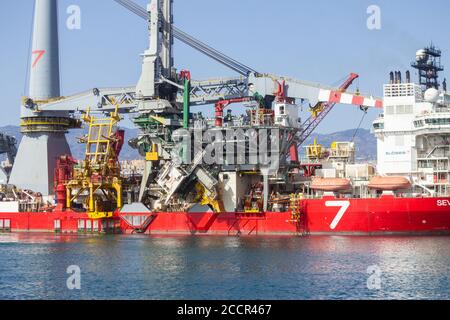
{"points": [[98, 161], [204, 200], [314, 151]]}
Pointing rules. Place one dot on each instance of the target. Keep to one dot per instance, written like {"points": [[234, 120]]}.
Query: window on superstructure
{"points": [[438, 121], [378, 126], [399, 141], [404, 109], [418, 124], [400, 110], [409, 109], [444, 121], [390, 110]]}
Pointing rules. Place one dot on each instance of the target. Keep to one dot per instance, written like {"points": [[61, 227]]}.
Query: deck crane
{"points": [[158, 98], [299, 89], [156, 72], [319, 112], [193, 42], [206, 92]]}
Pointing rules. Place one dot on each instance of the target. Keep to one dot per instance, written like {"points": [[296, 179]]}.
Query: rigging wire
{"points": [[363, 109], [360, 123], [193, 42]]}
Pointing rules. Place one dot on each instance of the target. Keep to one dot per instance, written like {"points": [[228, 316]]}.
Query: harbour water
{"points": [[142, 267]]}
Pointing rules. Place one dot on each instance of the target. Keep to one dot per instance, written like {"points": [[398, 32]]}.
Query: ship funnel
{"points": [[408, 77], [444, 85], [399, 77], [44, 74], [391, 77]]}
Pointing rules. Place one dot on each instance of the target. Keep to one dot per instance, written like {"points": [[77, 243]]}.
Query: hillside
{"points": [[365, 141], [78, 149]]}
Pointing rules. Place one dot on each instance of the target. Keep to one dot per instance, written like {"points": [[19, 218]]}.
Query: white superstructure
{"points": [[414, 136]]}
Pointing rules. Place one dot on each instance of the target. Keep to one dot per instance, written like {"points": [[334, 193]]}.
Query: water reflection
{"points": [[38, 238], [140, 267]]}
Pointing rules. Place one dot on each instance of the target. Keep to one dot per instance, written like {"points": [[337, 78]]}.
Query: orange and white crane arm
{"points": [[339, 97], [314, 93]]}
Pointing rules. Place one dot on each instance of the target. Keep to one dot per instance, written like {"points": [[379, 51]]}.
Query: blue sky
{"points": [[321, 41]]}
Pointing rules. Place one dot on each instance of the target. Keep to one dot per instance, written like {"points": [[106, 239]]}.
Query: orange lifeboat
{"points": [[389, 183], [331, 184]]}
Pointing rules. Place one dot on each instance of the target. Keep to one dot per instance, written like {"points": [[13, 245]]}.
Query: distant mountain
{"points": [[365, 142], [78, 149]]}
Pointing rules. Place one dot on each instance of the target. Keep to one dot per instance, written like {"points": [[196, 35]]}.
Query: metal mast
{"points": [[428, 64], [162, 104], [167, 41], [157, 66]]}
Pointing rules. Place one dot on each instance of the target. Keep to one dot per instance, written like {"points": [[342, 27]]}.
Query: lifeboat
{"points": [[331, 184], [389, 183]]}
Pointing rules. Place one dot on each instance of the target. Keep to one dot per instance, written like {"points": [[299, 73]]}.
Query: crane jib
{"points": [[193, 42]]}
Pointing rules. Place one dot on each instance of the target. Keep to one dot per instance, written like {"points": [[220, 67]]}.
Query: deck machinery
{"points": [[97, 179], [228, 163]]}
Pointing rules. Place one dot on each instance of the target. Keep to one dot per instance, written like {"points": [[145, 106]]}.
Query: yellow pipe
{"points": [[68, 200], [91, 199], [118, 187]]}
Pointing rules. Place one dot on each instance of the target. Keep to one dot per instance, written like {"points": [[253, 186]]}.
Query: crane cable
{"points": [[193, 42], [363, 109], [360, 123]]}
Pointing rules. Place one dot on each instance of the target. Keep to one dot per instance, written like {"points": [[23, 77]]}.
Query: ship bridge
{"points": [[414, 130]]}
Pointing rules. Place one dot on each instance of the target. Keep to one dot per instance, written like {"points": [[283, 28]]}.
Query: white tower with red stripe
{"points": [[44, 75], [43, 132]]}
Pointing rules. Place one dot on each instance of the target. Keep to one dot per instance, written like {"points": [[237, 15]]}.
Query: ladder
{"points": [[297, 215]]}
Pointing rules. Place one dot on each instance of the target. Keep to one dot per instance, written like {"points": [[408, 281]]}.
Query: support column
{"points": [[44, 133]]}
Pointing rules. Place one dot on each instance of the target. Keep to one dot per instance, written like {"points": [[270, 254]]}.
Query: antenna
{"points": [[428, 63]]}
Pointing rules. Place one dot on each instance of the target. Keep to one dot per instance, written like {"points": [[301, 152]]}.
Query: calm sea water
{"points": [[120, 267]]}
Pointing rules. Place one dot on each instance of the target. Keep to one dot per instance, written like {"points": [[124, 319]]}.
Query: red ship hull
{"points": [[387, 215], [60, 222]]}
